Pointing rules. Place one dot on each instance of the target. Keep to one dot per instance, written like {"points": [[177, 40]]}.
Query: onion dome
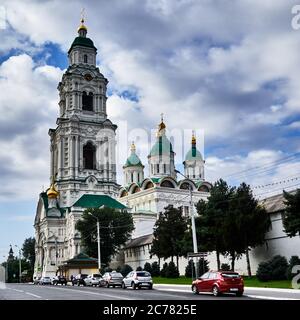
{"points": [[193, 153], [133, 159], [82, 26], [52, 193]]}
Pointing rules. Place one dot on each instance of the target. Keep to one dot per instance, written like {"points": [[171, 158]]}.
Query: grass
{"points": [[249, 282]]}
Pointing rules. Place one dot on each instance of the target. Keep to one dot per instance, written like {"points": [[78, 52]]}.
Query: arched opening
{"points": [[135, 189], [185, 186], [149, 185], [87, 101], [167, 184], [85, 58], [89, 156], [204, 188], [123, 194]]}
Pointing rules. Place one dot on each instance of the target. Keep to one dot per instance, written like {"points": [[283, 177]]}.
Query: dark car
{"points": [[79, 280], [59, 280], [113, 279], [219, 282]]}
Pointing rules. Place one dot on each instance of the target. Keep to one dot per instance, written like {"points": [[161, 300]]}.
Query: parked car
{"points": [[45, 280], [113, 279], [138, 279], [36, 280], [79, 280], [219, 282], [95, 279], [59, 280]]}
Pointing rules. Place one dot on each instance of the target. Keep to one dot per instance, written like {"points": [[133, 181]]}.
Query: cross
{"points": [[82, 13], [162, 117]]}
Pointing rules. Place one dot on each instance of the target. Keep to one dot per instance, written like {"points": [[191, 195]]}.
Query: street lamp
{"points": [[98, 238], [192, 215], [20, 267]]}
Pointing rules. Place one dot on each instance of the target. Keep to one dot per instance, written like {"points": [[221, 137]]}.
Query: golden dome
{"points": [[132, 147], [52, 193]]}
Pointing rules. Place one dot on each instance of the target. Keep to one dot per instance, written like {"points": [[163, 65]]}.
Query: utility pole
{"points": [[98, 240], [192, 216], [20, 266]]}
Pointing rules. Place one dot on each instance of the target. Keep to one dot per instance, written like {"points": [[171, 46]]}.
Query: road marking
{"points": [[270, 298], [95, 293], [34, 295], [18, 290]]}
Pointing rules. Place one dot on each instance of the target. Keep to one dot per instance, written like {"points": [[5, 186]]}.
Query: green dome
{"points": [[84, 42], [161, 146], [193, 154], [133, 160]]}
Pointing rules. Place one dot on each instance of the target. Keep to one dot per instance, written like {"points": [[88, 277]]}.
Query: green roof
{"points": [[193, 154], [133, 160], [96, 201], [82, 257], [84, 42], [161, 146]]}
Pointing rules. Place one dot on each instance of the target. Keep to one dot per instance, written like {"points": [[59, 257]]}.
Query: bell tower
{"points": [[83, 144]]}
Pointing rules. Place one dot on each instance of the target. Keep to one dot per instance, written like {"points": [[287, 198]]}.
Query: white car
{"points": [[45, 280], [94, 279], [138, 279]]}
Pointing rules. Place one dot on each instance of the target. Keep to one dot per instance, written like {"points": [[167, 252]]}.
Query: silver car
{"points": [[113, 279], [94, 279], [45, 280], [138, 279]]}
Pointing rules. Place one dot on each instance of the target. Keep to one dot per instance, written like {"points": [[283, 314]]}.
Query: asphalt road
{"points": [[160, 292]]}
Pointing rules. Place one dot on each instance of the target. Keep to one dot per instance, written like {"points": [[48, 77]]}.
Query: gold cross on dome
{"points": [[82, 13], [162, 117]]}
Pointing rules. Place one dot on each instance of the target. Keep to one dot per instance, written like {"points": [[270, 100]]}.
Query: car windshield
{"points": [[230, 275], [143, 274], [47, 278], [97, 275]]}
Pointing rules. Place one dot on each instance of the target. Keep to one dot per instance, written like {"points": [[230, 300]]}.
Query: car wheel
{"points": [[107, 285], [195, 289], [150, 287], [133, 286], [123, 286], [239, 294], [215, 291]]}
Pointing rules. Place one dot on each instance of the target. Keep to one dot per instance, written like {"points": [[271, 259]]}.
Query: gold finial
{"points": [[132, 147], [161, 126], [193, 137]]}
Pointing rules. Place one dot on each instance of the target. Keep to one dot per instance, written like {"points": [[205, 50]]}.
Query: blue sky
{"points": [[228, 69]]}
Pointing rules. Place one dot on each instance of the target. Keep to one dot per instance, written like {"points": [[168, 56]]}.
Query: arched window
{"points": [[131, 176], [85, 58], [185, 186], [89, 156], [204, 188], [149, 185], [167, 184], [87, 101]]}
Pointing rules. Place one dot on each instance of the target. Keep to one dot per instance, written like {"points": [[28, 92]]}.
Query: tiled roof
{"points": [[140, 241]]}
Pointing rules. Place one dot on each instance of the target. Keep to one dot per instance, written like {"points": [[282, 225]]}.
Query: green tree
{"points": [[28, 249], [115, 229], [155, 269], [169, 231], [245, 225], [147, 267], [291, 220]]}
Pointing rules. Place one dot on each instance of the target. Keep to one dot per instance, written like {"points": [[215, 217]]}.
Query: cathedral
{"points": [[83, 168]]}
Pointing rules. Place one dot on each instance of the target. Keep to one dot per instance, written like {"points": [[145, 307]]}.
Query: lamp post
{"points": [[20, 266], [192, 216], [98, 240]]}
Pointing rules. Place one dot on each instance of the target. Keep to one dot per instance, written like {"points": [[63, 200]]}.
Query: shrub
{"points": [[279, 266], [190, 269], [125, 270], [119, 268], [172, 271], [147, 267], [108, 269], [225, 267], [164, 270], [203, 266], [139, 268], [155, 269], [274, 269], [264, 272], [294, 261]]}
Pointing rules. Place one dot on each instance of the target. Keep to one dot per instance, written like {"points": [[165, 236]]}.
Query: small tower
{"points": [[161, 157], [194, 163], [10, 254], [133, 168]]}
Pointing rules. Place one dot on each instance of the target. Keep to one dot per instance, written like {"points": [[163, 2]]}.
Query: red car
{"points": [[219, 282]]}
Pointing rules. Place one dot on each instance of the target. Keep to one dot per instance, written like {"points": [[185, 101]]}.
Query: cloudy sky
{"points": [[229, 69]]}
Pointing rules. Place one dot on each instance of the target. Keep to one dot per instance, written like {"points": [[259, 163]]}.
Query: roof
{"points": [[161, 146], [44, 197], [193, 154], [133, 160], [140, 241], [96, 201], [84, 42], [82, 257], [275, 203]]}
